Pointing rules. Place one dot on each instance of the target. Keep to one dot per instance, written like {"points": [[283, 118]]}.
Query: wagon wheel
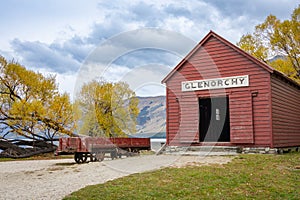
{"points": [[119, 153], [93, 157], [100, 156], [129, 152], [113, 154], [136, 151], [80, 158]]}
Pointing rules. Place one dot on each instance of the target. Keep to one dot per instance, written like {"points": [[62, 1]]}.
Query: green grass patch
{"points": [[246, 177]]}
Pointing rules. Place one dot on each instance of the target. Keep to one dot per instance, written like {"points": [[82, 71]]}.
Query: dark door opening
{"points": [[214, 119]]}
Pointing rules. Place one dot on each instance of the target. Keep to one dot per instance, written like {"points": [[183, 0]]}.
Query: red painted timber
{"points": [[285, 113], [214, 54]]}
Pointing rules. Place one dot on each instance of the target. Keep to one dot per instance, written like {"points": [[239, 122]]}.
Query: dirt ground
{"points": [[54, 179]]}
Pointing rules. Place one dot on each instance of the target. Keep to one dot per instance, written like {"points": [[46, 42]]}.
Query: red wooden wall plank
{"points": [[285, 113], [241, 117], [215, 59]]}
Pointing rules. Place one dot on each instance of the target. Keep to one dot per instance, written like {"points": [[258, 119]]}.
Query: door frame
{"points": [[218, 132]]}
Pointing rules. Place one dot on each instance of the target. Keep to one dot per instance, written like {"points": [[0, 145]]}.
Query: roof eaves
{"points": [[210, 34], [287, 78], [178, 66]]}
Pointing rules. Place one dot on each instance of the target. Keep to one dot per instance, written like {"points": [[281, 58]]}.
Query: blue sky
{"points": [[61, 36]]}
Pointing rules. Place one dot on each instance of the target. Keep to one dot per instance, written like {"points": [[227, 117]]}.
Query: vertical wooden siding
{"points": [[285, 113], [189, 112], [215, 59], [241, 117], [172, 118]]}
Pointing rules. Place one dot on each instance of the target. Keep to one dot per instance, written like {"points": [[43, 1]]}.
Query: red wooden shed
{"points": [[220, 95]]}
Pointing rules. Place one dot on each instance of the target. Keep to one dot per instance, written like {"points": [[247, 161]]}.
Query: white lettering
{"points": [[218, 83]]}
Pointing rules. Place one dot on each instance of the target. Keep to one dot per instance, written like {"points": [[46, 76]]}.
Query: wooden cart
{"points": [[96, 148]]}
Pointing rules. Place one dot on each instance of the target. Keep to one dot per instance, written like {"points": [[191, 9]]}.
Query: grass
{"points": [[246, 177]]}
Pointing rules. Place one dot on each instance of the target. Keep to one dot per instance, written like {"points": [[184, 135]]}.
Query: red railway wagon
{"points": [[96, 147]]}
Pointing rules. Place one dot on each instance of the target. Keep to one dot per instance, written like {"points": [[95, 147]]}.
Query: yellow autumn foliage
{"points": [[276, 38], [108, 109], [31, 105]]}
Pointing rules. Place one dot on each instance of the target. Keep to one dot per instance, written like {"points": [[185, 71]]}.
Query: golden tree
{"points": [[108, 109], [277, 38], [30, 104]]}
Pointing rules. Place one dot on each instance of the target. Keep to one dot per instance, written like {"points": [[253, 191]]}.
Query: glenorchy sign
{"points": [[217, 83]]}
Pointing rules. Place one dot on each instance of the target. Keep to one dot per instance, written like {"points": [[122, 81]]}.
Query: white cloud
{"points": [[143, 79], [254, 9], [66, 83], [40, 55], [58, 36], [45, 21]]}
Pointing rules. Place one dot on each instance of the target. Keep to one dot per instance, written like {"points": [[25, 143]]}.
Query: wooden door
{"points": [[214, 119]]}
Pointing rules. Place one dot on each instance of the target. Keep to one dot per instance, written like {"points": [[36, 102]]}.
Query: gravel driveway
{"points": [[54, 179]]}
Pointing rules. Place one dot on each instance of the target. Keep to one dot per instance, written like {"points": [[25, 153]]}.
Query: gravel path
{"points": [[54, 179]]}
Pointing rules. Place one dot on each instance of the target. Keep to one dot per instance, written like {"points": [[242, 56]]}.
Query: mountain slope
{"points": [[152, 116]]}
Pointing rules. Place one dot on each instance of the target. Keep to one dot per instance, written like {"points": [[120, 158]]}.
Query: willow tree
{"points": [[108, 109], [279, 39], [30, 104]]}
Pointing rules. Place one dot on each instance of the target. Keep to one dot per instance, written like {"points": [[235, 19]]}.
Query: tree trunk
{"points": [[13, 150]]}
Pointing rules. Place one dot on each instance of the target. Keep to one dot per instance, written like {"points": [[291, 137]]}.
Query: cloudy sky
{"points": [[134, 41]]}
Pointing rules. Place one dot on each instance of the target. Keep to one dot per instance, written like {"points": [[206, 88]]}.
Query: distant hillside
{"points": [[277, 57], [152, 116]]}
